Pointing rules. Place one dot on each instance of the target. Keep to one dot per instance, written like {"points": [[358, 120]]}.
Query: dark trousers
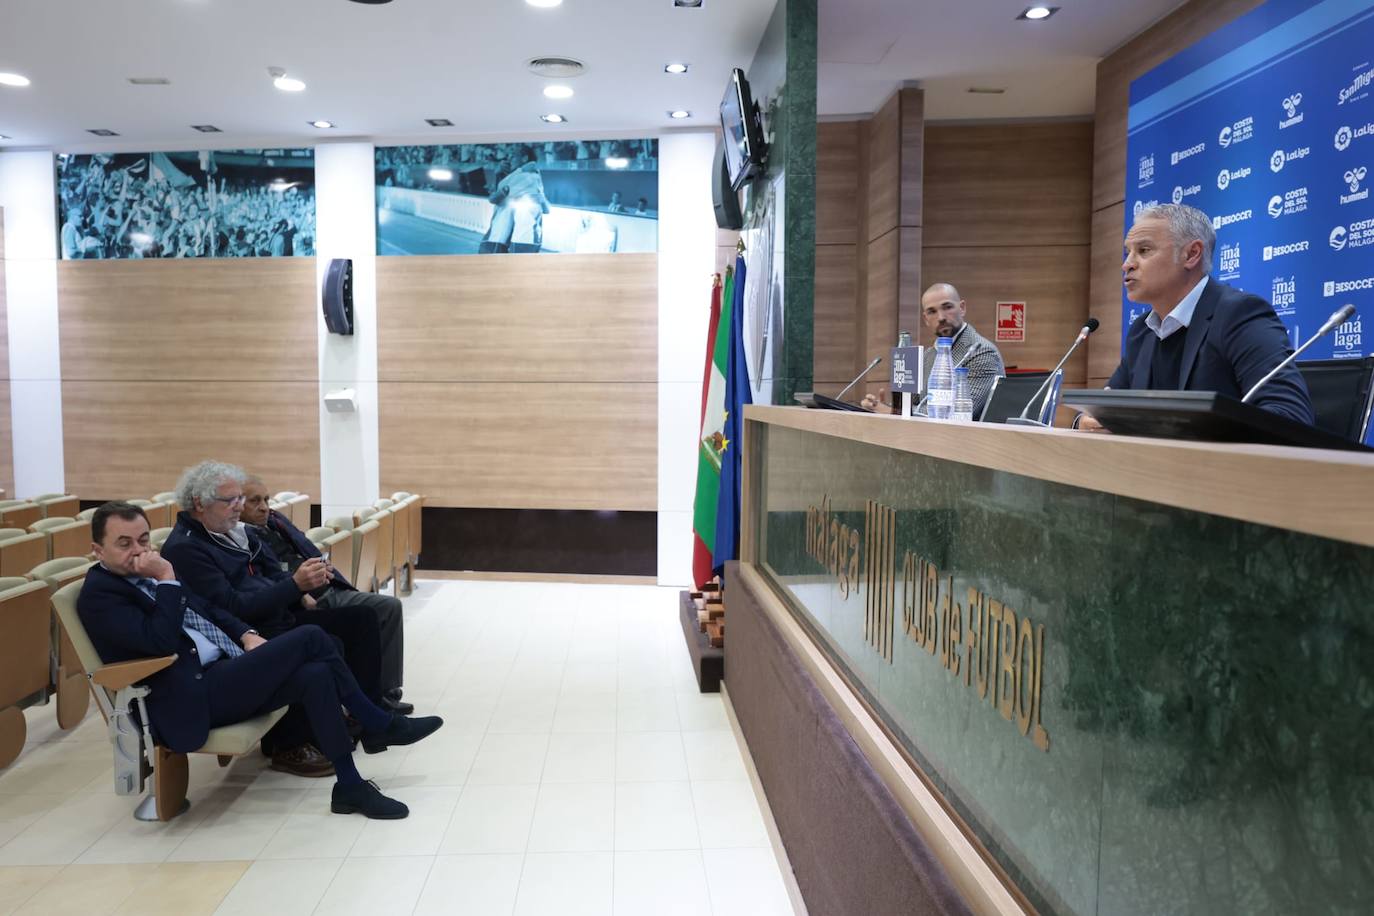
{"points": [[357, 629], [301, 669], [390, 623]]}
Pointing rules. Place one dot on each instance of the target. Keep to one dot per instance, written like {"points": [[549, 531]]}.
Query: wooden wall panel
{"points": [[837, 182], [566, 446], [1007, 184], [909, 288], [134, 438], [880, 305], [6, 421], [883, 136], [1104, 293], [212, 319], [518, 318], [1181, 28], [836, 298], [913, 182], [1052, 281]]}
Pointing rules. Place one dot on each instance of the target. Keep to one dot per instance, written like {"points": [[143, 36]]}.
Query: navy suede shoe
{"points": [[402, 730], [366, 799]]}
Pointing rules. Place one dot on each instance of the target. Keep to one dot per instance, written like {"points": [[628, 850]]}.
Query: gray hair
{"points": [[1186, 225], [203, 481]]}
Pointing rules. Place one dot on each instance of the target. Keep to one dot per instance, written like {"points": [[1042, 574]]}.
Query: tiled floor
{"points": [[579, 771]]}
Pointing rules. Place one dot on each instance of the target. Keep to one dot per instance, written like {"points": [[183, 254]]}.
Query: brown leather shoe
{"points": [[305, 760]]}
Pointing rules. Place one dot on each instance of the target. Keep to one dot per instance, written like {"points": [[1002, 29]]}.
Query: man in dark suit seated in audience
{"points": [[293, 549], [224, 563], [226, 671]]}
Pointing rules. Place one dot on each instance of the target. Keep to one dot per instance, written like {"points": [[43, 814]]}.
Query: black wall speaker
{"points": [[723, 196], [337, 298]]}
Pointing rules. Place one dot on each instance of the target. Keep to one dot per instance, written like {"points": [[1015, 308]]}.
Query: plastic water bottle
{"points": [[941, 403], [963, 396]]}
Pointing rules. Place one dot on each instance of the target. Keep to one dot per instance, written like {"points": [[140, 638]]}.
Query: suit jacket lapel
{"points": [[1197, 330], [1144, 357]]}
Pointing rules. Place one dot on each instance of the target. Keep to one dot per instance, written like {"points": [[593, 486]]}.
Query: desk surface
{"points": [[1326, 493]]}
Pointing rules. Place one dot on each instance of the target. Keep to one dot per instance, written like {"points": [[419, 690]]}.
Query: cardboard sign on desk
{"points": [[908, 370]]}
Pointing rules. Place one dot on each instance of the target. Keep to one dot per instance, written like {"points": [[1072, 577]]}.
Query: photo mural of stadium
{"points": [[583, 196], [255, 203]]}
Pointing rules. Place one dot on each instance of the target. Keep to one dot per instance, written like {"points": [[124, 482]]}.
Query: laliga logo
{"points": [[1276, 161], [1139, 206], [1338, 238], [1290, 104], [1352, 178], [1276, 206], [1343, 138], [1224, 180], [1178, 192], [1224, 138]]}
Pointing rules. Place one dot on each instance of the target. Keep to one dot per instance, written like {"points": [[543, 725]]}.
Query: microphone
{"points": [[1338, 318], [868, 369], [1023, 420]]}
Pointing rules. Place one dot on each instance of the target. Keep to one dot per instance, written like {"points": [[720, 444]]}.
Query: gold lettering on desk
{"points": [[880, 527]]}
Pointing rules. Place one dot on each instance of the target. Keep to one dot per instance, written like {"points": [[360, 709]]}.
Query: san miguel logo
{"points": [[981, 642]]}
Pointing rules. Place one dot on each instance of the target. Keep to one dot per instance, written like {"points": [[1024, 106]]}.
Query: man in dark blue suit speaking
{"points": [[1198, 334], [225, 671]]}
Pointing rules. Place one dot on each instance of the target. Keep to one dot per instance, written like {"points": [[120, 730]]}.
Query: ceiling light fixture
{"points": [[617, 162], [206, 128], [3, 137], [1037, 13], [101, 132], [150, 81], [13, 79], [322, 125], [372, 2], [688, 4], [283, 82], [679, 114], [553, 119], [441, 174], [558, 92], [985, 90], [675, 68], [438, 122], [544, 4]]}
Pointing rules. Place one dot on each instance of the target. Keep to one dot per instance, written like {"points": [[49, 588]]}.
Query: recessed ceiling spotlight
{"points": [[545, 4], [617, 162], [986, 90], [679, 114], [13, 79], [323, 125], [3, 137], [441, 174], [553, 119], [283, 82], [687, 4], [150, 81], [206, 128], [675, 68], [438, 122], [1035, 13], [558, 92], [101, 132], [372, 2]]}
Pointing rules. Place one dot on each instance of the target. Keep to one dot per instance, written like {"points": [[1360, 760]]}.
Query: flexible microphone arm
{"points": [[1083, 333], [876, 360], [1338, 318]]}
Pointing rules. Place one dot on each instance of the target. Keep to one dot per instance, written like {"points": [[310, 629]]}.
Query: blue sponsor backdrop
{"points": [[1267, 125]]}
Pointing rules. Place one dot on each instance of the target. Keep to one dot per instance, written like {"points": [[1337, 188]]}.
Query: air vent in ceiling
{"points": [[557, 67], [150, 81]]}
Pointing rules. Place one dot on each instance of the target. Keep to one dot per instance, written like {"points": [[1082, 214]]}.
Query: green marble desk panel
{"points": [[1206, 685]]}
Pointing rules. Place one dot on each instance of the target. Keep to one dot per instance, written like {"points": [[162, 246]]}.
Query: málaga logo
{"points": [[1290, 107], [1146, 175]]}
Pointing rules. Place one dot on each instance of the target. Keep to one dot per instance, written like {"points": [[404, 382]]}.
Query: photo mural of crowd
{"points": [[487, 198], [194, 204]]}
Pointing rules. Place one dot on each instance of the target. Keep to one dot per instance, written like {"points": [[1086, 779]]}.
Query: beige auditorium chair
{"points": [[365, 546], [338, 550], [159, 513], [58, 504], [173, 507], [386, 547], [417, 504], [21, 551], [158, 536], [87, 514], [67, 537], [297, 507], [69, 680], [24, 658], [318, 534], [136, 754], [400, 538], [19, 513]]}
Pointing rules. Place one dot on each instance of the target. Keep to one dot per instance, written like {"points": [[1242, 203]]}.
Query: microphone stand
{"points": [[1339, 317], [1024, 420], [868, 369]]}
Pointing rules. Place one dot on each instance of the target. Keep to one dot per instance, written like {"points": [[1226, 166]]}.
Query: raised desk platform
{"points": [[1095, 673]]}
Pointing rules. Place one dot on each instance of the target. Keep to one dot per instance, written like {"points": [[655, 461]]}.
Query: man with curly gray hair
{"points": [[223, 562]]}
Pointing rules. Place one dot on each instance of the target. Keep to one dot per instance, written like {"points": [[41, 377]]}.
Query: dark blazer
{"points": [[1234, 339], [282, 527], [249, 584], [124, 624]]}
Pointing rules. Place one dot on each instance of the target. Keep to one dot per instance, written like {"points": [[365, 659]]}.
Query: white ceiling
{"points": [[376, 71], [379, 71], [868, 48]]}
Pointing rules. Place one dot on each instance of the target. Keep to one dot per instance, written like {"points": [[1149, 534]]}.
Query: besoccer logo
{"points": [[1338, 238], [1224, 138], [1178, 194], [1276, 206], [1276, 161], [1224, 180], [1329, 288], [1353, 178], [1290, 104], [1343, 138]]}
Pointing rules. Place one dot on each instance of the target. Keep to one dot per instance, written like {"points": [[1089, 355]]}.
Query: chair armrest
{"points": [[118, 676]]}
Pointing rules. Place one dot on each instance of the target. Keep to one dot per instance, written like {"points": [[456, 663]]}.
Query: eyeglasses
{"points": [[229, 500]]}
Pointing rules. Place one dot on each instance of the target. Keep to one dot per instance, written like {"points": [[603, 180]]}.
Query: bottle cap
{"points": [[961, 370], [944, 342]]}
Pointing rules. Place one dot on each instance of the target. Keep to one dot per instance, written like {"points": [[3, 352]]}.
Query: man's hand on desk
{"points": [[874, 401], [1086, 424]]}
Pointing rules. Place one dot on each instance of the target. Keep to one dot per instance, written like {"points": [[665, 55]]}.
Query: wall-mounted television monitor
{"points": [[743, 128]]}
